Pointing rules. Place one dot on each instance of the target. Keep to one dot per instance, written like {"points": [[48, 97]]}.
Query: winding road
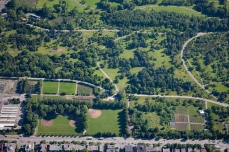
{"points": [[186, 67]]}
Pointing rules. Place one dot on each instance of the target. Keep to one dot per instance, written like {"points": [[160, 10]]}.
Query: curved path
{"points": [[185, 97], [186, 68], [77, 81], [94, 30]]}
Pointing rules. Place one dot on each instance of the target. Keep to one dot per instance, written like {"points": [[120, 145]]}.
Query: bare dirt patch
{"points": [[46, 123], [94, 113], [181, 118], [72, 123]]}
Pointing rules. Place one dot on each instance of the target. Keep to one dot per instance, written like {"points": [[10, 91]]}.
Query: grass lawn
{"points": [[50, 87], [51, 3], [83, 90], [210, 104], [135, 70], [127, 54], [60, 127], [180, 10], [92, 3], [52, 97], [68, 88], [153, 119], [35, 97], [107, 122], [160, 58], [192, 110]]}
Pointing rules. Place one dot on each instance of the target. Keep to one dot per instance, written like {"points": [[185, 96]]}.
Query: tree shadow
{"points": [[121, 122], [50, 116]]}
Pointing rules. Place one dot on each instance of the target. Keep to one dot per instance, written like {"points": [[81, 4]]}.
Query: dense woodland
{"points": [[138, 19]]}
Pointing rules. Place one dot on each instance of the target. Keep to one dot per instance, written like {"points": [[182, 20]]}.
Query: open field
{"points": [[181, 118], [192, 110], [196, 119], [153, 119], [51, 3], [68, 87], [50, 87], [181, 110], [197, 127], [182, 126], [60, 127], [83, 90], [177, 10], [107, 122]]}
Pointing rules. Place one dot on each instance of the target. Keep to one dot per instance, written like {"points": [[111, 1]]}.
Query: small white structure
{"points": [[201, 112]]}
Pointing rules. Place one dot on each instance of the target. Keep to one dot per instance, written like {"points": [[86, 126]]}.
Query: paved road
{"points": [[120, 142], [77, 81], [186, 97], [186, 68], [94, 30]]}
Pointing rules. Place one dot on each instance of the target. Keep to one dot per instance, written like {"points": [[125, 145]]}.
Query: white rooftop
{"points": [[201, 111]]}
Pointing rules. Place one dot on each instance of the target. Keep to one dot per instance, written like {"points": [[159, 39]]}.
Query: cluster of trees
{"points": [[210, 9], [31, 119], [149, 80], [22, 86], [14, 101], [106, 5], [178, 2], [165, 110], [138, 19], [214, 55], [39, 65], [223, 112]]}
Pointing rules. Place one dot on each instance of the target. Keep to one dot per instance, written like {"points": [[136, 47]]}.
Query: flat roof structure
{"points": [[8, 115]]}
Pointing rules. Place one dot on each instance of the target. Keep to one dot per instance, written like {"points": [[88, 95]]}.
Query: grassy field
{"points": [[68, 88], [92, 3], [192, 110], [196, 119], [60, 127], [197, 127], [51, 3], [107, 122], [83, 90], [50, 87], [181, 10], [153, 119]]}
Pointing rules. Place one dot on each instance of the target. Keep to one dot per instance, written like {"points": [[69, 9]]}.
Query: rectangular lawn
{"points": [[68, 88], [50, 87], [107, 122], [83, 90], [60, 127]]}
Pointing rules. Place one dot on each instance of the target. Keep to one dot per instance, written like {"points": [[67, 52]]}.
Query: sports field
{"points": [[50, 87], [60, 126], [107, 122], [68, 88]]}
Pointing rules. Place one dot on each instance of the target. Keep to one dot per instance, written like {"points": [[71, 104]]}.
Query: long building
{"points": [[8, 115]]}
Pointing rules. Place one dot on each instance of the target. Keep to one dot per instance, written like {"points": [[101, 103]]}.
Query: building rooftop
{"points": [[128, 148], [201, 111]]}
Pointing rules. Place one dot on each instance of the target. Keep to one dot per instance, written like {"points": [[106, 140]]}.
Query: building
{"points": [[165, 149], [203, 150], [201, 112], [128, 148], [190, 149], [92, 148], [9, 147], [110, 148], [33, 16], [149, 149], [8, 115], [176, 150]]}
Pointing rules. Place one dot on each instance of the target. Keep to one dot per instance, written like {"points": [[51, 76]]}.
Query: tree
{"points": [[85, 150]]}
